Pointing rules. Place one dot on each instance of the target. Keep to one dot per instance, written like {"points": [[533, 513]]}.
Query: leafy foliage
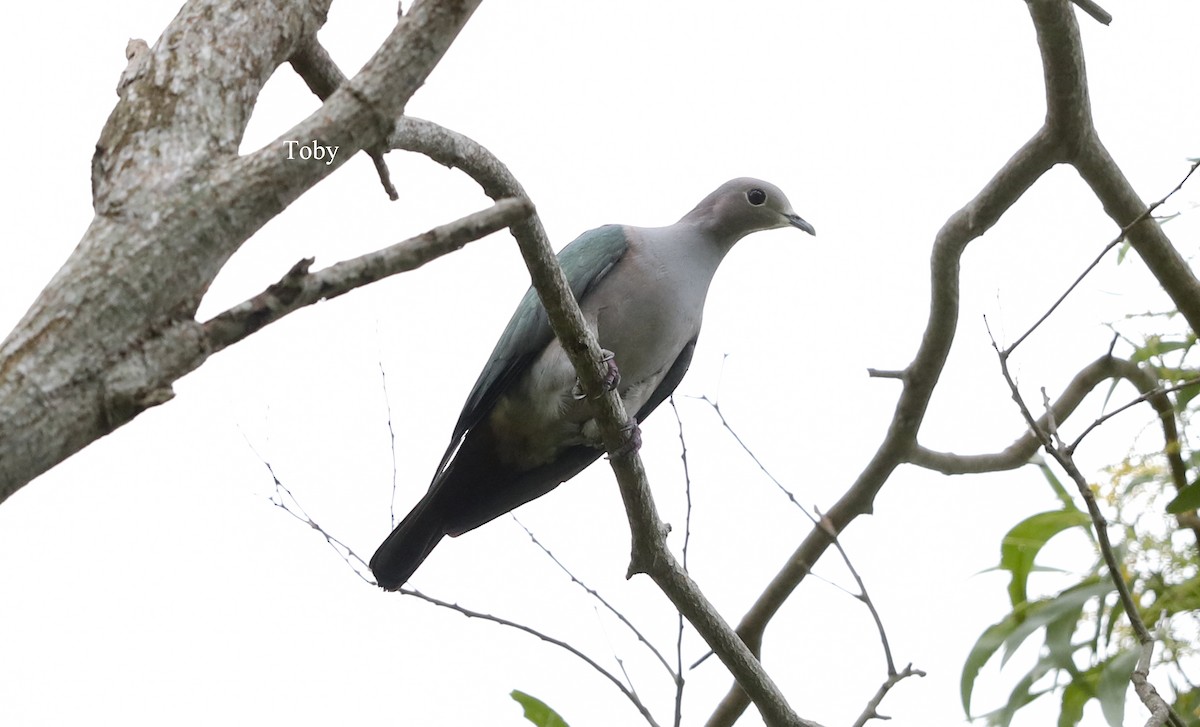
{"points": [[1088, 651]]}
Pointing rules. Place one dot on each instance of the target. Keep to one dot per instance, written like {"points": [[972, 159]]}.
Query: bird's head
{"points": [[745, 205]]}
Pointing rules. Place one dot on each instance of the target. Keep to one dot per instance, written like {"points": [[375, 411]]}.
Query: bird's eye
{"points": [[756, 197]]}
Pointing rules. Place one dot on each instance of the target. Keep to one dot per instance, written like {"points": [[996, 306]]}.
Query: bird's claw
{"points": [[633, 439], [612, 378]]}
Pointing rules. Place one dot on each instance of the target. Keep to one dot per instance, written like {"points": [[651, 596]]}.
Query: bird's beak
{"points": [[796, 220]]}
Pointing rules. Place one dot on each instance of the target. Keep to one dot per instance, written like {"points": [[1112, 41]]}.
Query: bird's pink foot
{"points": [[612, 378], [633, 439]]}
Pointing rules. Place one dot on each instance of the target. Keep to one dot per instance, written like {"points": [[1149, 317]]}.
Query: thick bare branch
{"points": [[115, 327]]}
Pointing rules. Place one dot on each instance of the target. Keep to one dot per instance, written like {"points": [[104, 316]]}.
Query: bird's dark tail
{"points": [[409, 544]]}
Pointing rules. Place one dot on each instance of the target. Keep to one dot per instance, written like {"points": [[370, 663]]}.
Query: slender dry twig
{"points": [[469, 613], [596, 595], [687, 537], [286, 501], [819, 521], [283, 499], [1145, 215], [894, 678], [1158, 391], [387, 402]]}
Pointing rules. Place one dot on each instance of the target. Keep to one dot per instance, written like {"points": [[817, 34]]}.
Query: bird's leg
{"points": [[612, 379], [633, 441]]}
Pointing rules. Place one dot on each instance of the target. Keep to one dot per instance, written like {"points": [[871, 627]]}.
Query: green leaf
{"points": [[1187, 499], [1019, 697], [1076, 696], [1022, 621], [988, 642], [536, 710], [1184, 396], [1059, 649], [1060, 491], [1114, 683], [1025, 540], [1067, 604], [1187, 706]]}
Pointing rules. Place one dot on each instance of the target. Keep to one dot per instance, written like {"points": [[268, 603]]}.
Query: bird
{"points": [[525, 427]]}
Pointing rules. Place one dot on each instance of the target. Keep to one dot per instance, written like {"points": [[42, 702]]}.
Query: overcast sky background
{"points": [[148, 579]]}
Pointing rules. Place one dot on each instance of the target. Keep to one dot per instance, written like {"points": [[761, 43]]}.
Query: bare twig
{"points": [[283, 499], [893, 679], [1158, 391], [596, 595], [286, 501], [1146, 214], [819, 521], [387, 402], [680, 680], [469, 613]]}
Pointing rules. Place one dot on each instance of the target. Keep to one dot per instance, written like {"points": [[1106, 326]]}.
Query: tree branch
{"points": [[1024, 447], [174, 200]]}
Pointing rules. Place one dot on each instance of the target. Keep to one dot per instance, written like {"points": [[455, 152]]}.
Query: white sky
{"points": [[148, 580]]}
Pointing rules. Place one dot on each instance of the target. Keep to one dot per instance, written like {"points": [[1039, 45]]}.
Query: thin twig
{"points": [[1146, 214], [820, 521], [687, 537], [787, 493], [387, 402], [469, 613], [596, 595], [291, 505], [870, 712], [1158, 391]]}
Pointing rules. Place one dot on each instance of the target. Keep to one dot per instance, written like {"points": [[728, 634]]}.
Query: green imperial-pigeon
{"points": [[525, 427]]}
